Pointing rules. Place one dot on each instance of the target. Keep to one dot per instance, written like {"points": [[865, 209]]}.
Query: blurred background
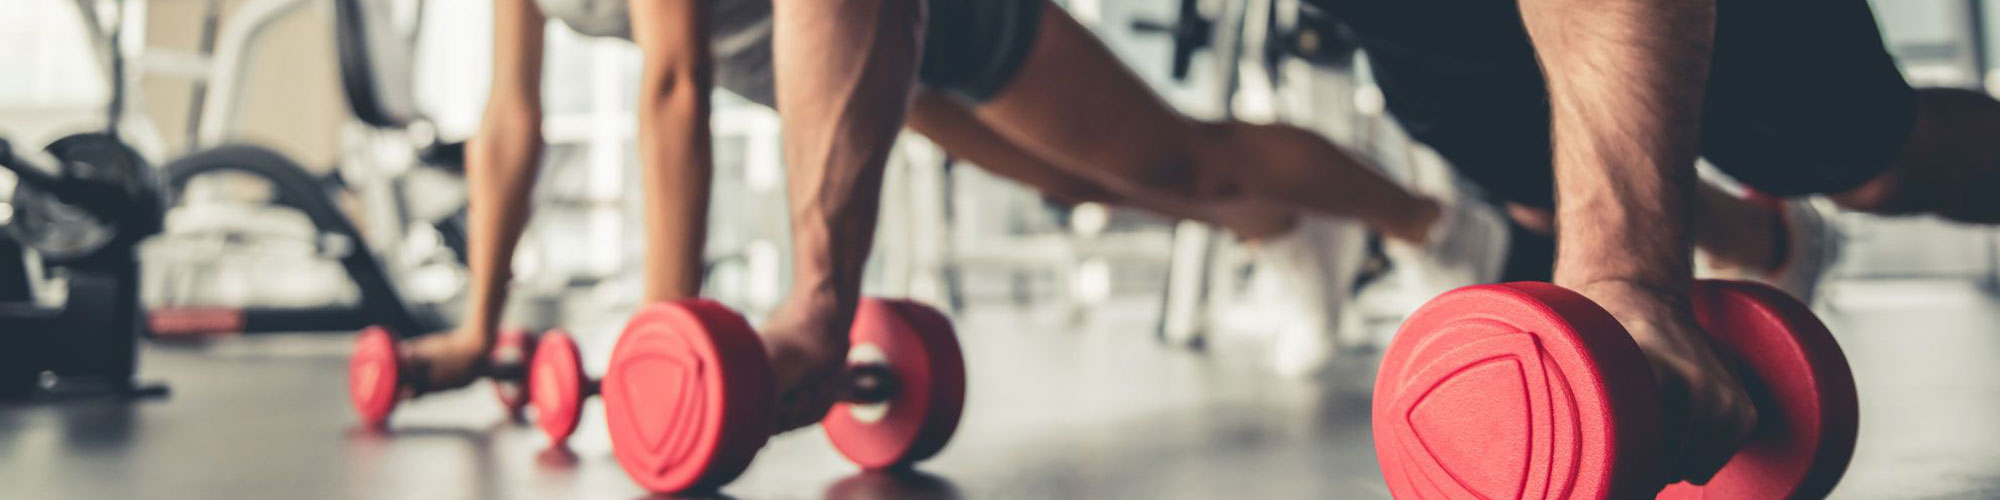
{"points": [[206, 74], [310, 151]]}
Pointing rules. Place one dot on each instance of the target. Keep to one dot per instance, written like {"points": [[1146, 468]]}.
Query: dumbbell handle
{"points": [[870, 383], [507, 371], [416, 376]]}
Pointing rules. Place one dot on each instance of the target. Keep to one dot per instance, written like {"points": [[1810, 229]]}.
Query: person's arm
{"points": [[674, 142], [1626, 81], [503, 160], [846, 72]]}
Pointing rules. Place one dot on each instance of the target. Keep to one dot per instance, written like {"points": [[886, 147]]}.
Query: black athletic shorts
{"points": [[1802, 95], [973, 47]]}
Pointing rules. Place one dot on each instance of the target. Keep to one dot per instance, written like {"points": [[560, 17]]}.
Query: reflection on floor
{"points": [[1055, 411]]}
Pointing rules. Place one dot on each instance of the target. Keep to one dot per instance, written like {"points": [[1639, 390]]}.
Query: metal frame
{"points": [[217, 115]]}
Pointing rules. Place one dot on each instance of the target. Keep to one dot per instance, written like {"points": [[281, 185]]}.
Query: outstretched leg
{"points": [[1075, 104], [952, 125]]}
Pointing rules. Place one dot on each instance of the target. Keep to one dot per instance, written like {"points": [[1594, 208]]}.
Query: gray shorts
{"points": [[972, 47]]}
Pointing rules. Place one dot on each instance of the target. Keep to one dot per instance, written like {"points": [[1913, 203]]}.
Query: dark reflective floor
{"points": [[1055, 411]]}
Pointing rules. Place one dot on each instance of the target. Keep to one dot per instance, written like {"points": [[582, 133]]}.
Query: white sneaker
{"points": [[1305, 278], [1467, 245], [1812, 246]]}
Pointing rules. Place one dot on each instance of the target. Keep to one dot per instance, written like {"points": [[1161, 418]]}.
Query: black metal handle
{"points": [[1191, 33], [871, 383]]}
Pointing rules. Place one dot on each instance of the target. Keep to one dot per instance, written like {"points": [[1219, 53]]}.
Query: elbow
{"points": [[675, 87], [509, 141]]}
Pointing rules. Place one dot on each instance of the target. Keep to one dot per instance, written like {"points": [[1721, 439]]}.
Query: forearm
{"points": [[846, 71], [502, 164], [1626, 79], [503, 160], [675, 172], [675, 163]]}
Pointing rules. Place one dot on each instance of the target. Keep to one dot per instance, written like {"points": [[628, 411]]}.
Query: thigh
{"points": [[1803, 97], [1074, 103]]}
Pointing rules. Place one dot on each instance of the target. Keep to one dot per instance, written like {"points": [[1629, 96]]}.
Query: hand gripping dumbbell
{"points": [[1529, 390], [689, 392], [379, 376], [560, 386]]}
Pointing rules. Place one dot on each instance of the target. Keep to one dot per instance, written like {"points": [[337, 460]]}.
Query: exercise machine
{"points": [[386, 237], [69, 272]]}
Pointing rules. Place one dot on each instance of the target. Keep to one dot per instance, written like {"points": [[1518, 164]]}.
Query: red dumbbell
{"points": [[1528, 390], [560, 385], [511, 349], [378, 375], [689, 393]]}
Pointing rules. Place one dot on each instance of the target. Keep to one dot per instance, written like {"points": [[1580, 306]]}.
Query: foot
{"points": [[808, 356], [1306, 276], [1808, 246], [1465, 245], [450, 359]]}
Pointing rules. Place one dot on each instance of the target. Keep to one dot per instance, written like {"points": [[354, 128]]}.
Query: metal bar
{"points": [[218, 107]]}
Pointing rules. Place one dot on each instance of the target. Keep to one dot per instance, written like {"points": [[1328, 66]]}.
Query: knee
{"points": [[1195, 168], [1168, 176]]}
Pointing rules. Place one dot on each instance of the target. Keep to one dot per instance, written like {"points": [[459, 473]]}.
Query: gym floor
{"points": [[1055, 410]]}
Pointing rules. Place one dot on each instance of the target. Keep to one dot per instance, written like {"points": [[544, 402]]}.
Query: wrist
{"points": [[1659, 318], [821, 311]]}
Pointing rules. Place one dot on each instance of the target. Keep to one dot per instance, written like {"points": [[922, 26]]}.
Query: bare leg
{"points": [[952, 125], [845, 73], [1076, 105]]}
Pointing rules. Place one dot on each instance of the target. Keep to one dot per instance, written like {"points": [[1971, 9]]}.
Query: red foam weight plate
{"points": [[919, 346], [1804, 390], [688, 396], [511, 347], [1517, 390], [557, 377], [372, 375]]}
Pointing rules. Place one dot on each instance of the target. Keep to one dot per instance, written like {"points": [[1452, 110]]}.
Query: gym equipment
{"points": [[1258, 35], [382, 301], [379, 377], [1191, 32], [1290, 29], [513, 347], [374, 57], [83, 215], [560, 386], [689, 392], [1528, 390]]}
